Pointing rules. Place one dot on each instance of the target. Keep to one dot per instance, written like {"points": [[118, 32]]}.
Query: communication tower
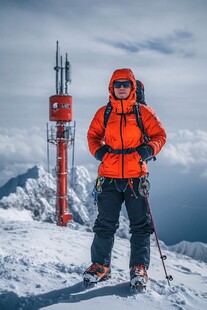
{"points": [[62, 135]]}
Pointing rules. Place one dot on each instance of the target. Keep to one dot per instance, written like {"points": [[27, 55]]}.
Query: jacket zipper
{"points": [[122, 142]]}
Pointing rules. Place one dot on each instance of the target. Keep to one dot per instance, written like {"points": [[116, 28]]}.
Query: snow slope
{"points": [[41, 267], [41, 264], [35, 191], [196, 250]]}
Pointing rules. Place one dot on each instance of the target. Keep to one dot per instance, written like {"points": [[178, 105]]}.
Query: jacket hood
{"points": [[127, 74]]}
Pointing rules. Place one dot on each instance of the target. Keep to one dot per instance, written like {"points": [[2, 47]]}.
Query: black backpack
{"points": [[140, 100]]}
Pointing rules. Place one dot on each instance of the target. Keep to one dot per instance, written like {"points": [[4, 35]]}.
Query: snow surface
{"points": [[41, 264], [41, 267]]}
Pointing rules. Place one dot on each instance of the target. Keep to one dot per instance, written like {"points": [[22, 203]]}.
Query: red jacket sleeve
{"points": [[96, 131], [153, 128]]}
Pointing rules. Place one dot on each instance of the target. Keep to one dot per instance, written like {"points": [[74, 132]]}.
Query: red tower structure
{"points": [[63, 135]]}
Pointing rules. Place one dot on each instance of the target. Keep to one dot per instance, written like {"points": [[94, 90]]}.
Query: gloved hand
{"points": [[145, 151], [100, 153]]}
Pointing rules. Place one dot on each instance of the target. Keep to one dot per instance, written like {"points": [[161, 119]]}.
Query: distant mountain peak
{"points": [[20, 180], [196, 250], [35, 191]]}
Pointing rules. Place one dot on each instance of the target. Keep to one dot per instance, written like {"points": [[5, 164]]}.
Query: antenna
{"points": [[60, 76], [67, 73], [61, 113], [56, 68]]}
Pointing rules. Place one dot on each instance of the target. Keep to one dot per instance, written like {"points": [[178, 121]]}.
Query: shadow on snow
{"points": [[73, 294]]}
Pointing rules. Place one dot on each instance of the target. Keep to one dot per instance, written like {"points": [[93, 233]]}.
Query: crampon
{"points": [[94, 274], [139, 278]]}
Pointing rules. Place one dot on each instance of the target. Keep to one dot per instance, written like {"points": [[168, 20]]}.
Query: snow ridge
{"points": [[19, 181], [35, 192], [196, 250]]}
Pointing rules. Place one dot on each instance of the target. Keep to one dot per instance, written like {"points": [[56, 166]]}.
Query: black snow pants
{"points": [[114, 193]]}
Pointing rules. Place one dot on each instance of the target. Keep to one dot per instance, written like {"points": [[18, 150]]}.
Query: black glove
{"points": [[145, 151], [100, 153]]}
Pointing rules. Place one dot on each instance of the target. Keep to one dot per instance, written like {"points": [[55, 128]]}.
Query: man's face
{"points": [[122, 91]]}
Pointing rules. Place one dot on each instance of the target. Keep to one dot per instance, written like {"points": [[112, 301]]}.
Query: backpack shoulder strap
{"points": [[140, 124], [139, 121], [107, 113]]}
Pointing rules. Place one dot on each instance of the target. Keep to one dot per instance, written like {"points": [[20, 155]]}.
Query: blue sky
{"points": [[163, 42]]}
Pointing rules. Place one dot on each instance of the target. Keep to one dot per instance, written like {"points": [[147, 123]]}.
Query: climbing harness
{"points": [[97, 188], [144, 186]]}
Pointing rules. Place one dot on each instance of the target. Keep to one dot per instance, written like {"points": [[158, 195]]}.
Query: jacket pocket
{"points": [[132, 164], [110, 165], [105, 157]]}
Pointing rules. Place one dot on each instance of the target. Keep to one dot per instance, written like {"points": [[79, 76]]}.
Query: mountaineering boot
{"points": [[138, 277], [96, 273]]}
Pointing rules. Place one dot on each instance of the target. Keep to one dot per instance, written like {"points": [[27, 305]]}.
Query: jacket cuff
{"points": [[99, 154]]}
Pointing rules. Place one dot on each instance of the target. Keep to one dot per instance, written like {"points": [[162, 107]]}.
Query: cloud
{"points": [[171, 43], [19, 150], [167, 44], [158, 45], [129, 47], [187, 149], [204, 174]]}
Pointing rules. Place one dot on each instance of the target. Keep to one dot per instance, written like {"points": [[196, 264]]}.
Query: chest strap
{"points": [[121, 151]]}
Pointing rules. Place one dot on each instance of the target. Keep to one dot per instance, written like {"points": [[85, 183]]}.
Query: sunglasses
{"points": [[125, 84]]}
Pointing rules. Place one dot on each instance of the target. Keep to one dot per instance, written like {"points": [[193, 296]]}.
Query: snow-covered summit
{"points": [[41, 267], [35, 190], [196, 250], [20, 180]]}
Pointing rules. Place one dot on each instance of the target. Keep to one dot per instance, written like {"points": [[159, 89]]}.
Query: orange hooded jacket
{"points": [[122, 132]]}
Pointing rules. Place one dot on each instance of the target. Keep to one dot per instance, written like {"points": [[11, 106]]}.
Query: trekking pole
{"points": [[145, 192]]}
